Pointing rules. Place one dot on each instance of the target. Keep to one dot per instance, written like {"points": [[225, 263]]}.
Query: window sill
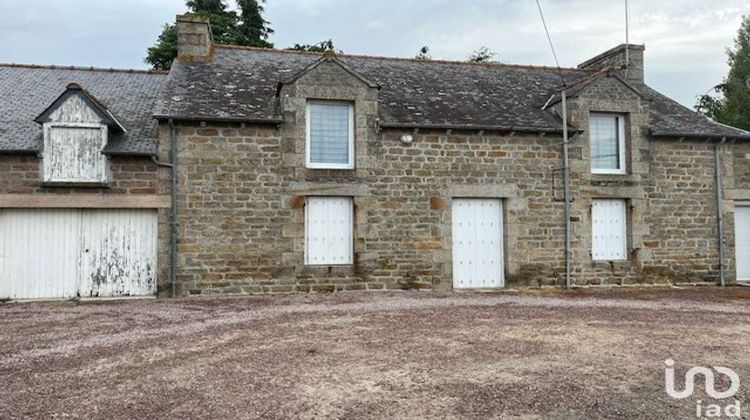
{"points": [[609, 172], [331, 168], [313, 266], [74, 184]]}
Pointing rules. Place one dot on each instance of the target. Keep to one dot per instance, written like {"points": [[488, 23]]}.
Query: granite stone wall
{"points": [[243, 189]]}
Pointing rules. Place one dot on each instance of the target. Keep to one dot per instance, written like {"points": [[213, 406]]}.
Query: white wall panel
{"points": [[118, 253], [477, 243], [609, 230], [67, 253], [74, 154], [39, 253], [742, 242], [329, 230]]}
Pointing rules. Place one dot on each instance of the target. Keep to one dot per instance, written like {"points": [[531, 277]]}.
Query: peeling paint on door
{"points": [[118, 253], [69, 252]]}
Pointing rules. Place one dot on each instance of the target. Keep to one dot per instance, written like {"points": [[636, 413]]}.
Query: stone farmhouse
{"points": [[249, 170]]}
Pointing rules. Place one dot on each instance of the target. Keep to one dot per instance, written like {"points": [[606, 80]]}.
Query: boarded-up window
{"points": [[328, 230], [607, 133], [609, 230], [73, 153], [330, 135]]}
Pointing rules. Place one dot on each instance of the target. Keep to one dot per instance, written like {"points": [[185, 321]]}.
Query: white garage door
{"points": [[742, 242], [477, 243], [68, 253]]}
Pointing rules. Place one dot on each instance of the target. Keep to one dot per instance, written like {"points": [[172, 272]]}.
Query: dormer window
{"points": [[607, 134], [76, 129], [330, 135]]}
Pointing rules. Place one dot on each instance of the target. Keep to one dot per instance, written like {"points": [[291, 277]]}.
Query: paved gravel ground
{"points": [[554, 354]]}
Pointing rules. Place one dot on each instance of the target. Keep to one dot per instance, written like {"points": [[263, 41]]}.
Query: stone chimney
{"points": [[632, 72], [194, 39]]}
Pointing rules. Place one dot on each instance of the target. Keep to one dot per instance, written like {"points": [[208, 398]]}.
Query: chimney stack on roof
{"points": [[630, 69], [194, 38]]}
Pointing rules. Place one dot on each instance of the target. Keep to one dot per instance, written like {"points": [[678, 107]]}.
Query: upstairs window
{"points": [[330, 135], [607, 134]]}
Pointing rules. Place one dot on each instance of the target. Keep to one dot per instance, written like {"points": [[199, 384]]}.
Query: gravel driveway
{"points": [[585, 354]]}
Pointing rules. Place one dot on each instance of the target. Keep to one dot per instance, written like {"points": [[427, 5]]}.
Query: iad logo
{"points": [[711, 410]]}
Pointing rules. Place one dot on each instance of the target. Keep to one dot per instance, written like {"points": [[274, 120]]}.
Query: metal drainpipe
{"points": [[173, 236], [720, 210], [173, 217], [566, 188]]}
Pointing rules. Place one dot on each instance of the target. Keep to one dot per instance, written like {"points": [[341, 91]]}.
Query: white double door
{"points": [[477, 243], [63, 253]]}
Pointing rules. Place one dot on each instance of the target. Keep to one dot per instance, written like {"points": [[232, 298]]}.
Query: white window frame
{"points": [[308, 155], [350, 244], [624, 231], [623, 169]]}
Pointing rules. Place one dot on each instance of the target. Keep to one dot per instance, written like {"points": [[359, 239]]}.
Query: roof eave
{"points": [[663, 134], [237, 120], [128, 153], [475, 127], [18, 152]]}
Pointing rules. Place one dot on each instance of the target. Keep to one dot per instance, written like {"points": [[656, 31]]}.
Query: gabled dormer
{"points": [[76, 130]]}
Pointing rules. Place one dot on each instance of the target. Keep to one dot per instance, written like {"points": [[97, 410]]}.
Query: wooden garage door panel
{"points": [[67, 253], [477, 243], [742, 242], [39, 253], [118, 253]]}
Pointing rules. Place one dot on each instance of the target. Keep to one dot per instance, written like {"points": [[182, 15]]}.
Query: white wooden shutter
{"points": [[74, 153], [742, 242], [609, 230], [328, 230], [477, 243]]}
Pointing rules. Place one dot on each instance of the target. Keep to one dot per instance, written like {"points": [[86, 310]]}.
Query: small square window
{"points": [[607, 134], [329, 234], [330, 135], [609, 239]]}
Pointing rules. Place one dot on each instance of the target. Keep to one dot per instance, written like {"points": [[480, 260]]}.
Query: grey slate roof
{"points": [[669, 118], [241, 84], [26, 91]]}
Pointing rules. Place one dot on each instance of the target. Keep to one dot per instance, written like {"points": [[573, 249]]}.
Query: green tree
{"points": [[223, 21], [729, 102], [424, 54], [252, 29], [321, 46], [482, 55], [228, 27], [161, 55]]}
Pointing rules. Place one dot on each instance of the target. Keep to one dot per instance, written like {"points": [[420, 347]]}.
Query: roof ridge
{"points": [[408, 59], [81, 68]]}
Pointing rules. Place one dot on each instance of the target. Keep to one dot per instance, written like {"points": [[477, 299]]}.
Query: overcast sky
{"points": [[685, 39]]}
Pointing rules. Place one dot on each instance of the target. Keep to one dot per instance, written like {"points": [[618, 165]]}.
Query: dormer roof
{"points": [[75, 89]]}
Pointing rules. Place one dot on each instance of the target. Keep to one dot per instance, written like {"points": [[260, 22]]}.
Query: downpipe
{"points": [[718, 180], [173, 216], [566, 188]]}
